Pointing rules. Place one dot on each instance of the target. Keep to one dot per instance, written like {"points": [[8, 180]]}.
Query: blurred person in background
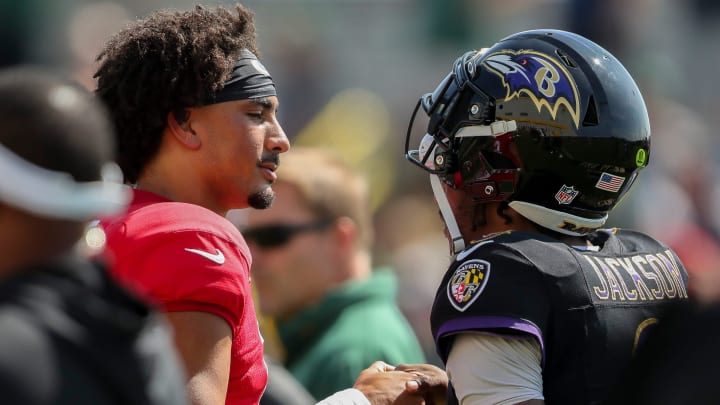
{"points": [[312, 268], [68, 333], [197, 133], [529, 145]]}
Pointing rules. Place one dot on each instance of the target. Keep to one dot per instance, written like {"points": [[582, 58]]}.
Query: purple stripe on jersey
{"points": [[483, 323]]}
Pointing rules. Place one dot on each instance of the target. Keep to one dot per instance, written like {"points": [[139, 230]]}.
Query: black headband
{"points": [[249, 79]]}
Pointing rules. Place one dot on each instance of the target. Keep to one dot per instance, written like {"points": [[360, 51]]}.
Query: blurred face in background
{"points": [[295, 254]]}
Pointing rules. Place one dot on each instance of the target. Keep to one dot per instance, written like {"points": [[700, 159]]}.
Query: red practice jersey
{"points": [[184, 257]]}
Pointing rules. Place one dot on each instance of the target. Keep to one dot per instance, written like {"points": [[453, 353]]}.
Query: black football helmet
{"points": [[546, 120]]}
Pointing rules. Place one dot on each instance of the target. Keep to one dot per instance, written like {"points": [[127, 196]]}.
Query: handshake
{"points": [[405, 384]]}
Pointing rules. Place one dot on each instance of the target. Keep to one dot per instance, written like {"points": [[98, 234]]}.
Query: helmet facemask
{"points": [[462, 158]]}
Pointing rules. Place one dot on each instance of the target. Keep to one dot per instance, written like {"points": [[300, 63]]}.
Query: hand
{"points": [[431, 382], [417, 384]]}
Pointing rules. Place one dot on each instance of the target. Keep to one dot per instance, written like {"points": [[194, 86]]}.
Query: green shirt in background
{"points": [[329, 344]]}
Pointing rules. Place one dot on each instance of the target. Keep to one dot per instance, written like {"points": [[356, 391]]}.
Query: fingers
{"points": [[423, 368], [432, 373], [413, 386], [412, 382], [427, 378], [383, 387], [381, 367], [420, 383]]}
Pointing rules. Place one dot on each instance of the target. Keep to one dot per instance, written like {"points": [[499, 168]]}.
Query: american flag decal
{"points": [[609, 182]]}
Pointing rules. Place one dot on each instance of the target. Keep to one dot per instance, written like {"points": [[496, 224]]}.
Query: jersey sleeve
{"points": [[489, 369], [493, 289], [191, 271]]}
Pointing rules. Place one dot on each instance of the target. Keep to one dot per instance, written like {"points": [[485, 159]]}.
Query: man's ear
{"points": [[179, 124]]}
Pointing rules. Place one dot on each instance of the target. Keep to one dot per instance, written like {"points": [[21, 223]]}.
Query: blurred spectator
{"points": [[312, 268], [68, 333]]}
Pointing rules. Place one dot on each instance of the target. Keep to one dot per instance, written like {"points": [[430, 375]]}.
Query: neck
{"points": [[494, 223], [335, 275], [360, 266], [177, 185], [354, 267], [176, 174]]}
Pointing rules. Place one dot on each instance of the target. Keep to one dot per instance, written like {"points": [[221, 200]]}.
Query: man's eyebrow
{"points": [[262, 101]]}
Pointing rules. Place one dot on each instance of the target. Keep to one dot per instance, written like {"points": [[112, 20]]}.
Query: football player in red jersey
{"points": [[197, 133], [529, 145]]}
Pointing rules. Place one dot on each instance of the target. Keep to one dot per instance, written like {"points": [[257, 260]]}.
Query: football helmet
{"points": [[546, 120]]}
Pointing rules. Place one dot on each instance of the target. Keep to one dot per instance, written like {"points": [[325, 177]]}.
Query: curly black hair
{"points": [[164, 63]]}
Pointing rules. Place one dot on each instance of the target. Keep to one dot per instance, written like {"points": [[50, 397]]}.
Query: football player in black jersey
{"points": [[529, 145]]}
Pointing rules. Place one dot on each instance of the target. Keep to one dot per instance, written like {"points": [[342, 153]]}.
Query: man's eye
{"points": [[255, 115]]}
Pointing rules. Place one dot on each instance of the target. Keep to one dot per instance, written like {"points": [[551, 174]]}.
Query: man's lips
{"points": [[268, 171]]}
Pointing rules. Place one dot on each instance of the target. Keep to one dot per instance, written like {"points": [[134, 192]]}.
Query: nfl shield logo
{"points": [[467, 282], [566, 194]]}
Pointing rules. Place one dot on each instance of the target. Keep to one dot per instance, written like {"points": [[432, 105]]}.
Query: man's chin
{"points": [[262, 199]]}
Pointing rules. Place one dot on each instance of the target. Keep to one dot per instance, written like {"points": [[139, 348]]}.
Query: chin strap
{"points": [[457, 241], [557, 221]]}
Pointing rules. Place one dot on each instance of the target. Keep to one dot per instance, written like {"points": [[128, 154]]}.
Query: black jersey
{"points": [[70, 335], [589, 310], [679, 364]]}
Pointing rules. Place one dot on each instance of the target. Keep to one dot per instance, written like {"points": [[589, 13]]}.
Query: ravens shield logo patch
{"points": [[467, 282]]}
